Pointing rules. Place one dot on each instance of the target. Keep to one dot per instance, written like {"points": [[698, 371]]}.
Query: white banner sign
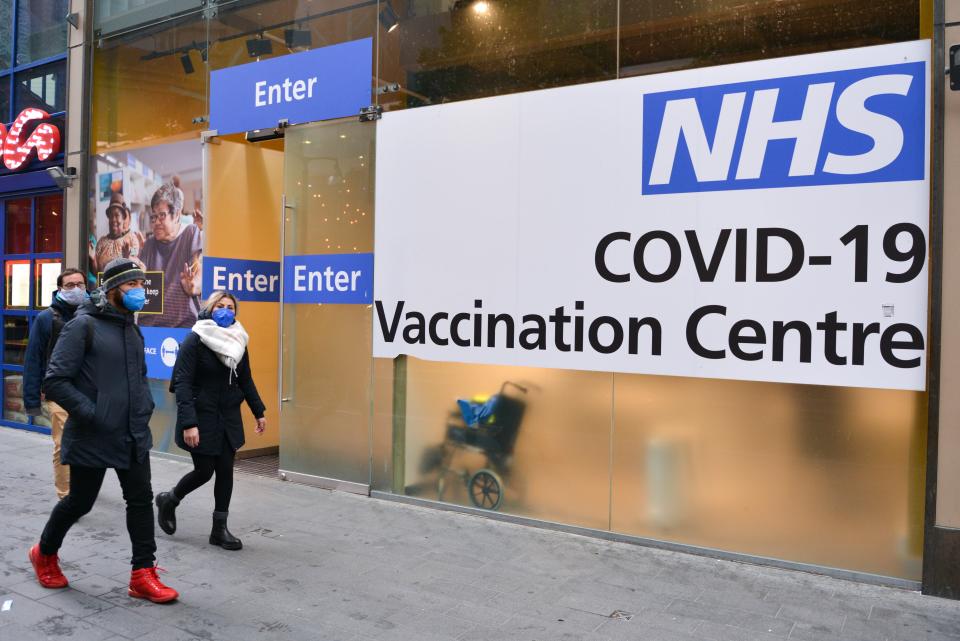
{"points": [[762, 221]]}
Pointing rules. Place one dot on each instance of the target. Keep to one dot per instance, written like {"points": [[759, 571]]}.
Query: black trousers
{"points": [[85, 485], [204, 467]]}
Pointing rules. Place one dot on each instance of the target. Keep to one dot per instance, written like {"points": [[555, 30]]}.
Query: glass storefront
{"points": [[830, 476], [32, 258]]}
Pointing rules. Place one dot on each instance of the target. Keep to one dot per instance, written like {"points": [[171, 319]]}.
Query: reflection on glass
{"points": [[5, 99], [541, 448], [13, 407], [47, 272], [49, 223], [658, 36], [18, 283], [822, 475], [141, 88], [241, 33], [42, 87], [444, 51], [16, 330], [41, 29], [17, 226], [6, 37]]}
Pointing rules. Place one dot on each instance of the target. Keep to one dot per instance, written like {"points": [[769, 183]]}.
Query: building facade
{"points": [[846, 475], [33, 100]]}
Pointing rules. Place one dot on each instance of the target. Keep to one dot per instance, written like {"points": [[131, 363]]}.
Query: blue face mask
{"points": [[73, 296], [134, 299], [223, 317]]}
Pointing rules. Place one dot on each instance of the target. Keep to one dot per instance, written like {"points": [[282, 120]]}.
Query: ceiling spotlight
{"points": [[481, 7], [186, 62], [297, 38], [388, 18], [259, 47]]}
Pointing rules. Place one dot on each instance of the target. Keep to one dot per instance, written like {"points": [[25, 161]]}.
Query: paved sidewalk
{"points": [[328, 566]]}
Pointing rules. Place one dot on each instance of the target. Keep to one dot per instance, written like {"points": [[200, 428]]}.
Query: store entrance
{"points": [[311, 361], [326, 371]]}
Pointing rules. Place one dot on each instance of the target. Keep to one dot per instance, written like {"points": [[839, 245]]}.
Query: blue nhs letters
{"points": [[852, 126]]}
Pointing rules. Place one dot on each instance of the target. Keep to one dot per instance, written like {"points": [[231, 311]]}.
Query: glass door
{"points": [[326, 359]]}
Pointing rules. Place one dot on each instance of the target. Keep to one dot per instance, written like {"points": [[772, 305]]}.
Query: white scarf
{"points": [[228, 343]]}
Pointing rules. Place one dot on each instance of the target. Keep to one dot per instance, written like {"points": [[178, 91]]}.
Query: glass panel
{"points": [[444, 51], [41, 29], [657, 36], [328, 178], [6, 34], [18, 283], [547, 457], [13, 408], [17, 229], [114, 15], [42, 87], [5, 99], [247, 224], [47, 271], [49, 227], [142, 91], [824, 475], [16, 329]]}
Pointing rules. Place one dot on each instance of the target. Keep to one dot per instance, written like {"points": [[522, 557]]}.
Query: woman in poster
{"points": [[120, 241], [174, 249]]}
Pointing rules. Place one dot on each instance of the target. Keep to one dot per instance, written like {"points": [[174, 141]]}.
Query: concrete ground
{"points": [[327, 566]]}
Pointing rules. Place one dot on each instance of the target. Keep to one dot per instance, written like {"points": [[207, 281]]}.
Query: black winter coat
{"points": [[209, 397], [98, 374]]}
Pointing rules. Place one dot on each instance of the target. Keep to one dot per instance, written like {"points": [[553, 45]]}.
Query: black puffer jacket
{"points": [[209, 397], [98, 374]]}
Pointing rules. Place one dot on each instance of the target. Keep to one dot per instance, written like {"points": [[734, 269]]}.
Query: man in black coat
{"points": [[98, 374]]}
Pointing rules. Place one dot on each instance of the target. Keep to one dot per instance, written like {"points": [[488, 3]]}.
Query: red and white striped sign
{"points": [[18, 150]]}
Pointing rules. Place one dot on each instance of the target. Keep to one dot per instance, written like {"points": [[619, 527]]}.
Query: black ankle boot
{"points": [[221, 536], [167, 503]]}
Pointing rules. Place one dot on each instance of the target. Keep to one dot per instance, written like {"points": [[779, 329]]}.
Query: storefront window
{"points": [[30, 281], [42, 87], [657, 36], [13, 407], [6, 33], [445, 51], [41, 29], [142, 91], [17, 226], [5, 98], [46, 271], [49, 224], [16, 330]]}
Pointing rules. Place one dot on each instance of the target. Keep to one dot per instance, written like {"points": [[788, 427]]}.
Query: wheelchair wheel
{"points": [[486, 490]]}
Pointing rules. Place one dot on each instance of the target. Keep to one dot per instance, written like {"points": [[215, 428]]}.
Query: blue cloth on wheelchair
{"points": [[473, 413]]}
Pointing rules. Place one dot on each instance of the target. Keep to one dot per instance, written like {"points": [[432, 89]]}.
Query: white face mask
{"points": [[73, 296]]}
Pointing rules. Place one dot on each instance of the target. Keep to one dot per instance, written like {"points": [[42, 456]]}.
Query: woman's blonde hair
{"points": [[215, 298]]}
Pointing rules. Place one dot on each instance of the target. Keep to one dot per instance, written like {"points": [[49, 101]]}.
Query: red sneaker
{"points": [[47, 568], [145, 584]]}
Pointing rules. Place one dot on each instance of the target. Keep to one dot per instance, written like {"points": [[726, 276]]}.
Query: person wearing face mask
{"points": [[211, 380], [98, 374], [71, 292]]}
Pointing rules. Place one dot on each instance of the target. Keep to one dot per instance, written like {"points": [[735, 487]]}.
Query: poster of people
{"points": [[148, 207]]}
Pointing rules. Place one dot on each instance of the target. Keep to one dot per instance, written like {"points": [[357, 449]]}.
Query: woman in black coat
{"points": [[211, 379]]}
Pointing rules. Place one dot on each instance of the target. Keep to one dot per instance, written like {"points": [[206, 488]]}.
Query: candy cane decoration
{"points": [[45, 138]]}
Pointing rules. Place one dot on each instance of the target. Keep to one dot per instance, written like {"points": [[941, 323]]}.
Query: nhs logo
{"points": [[852, 126]]}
